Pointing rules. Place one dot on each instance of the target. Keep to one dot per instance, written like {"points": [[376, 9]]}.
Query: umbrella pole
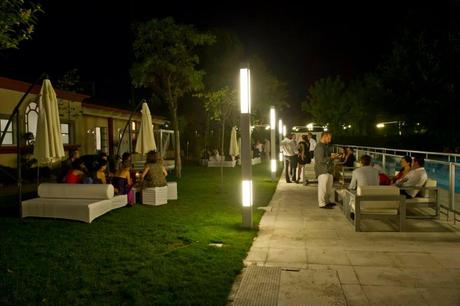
{"points": [[126, 126], [18, 164]]}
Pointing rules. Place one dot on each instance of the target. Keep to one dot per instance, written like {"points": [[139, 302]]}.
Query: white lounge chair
{"points": [[81, 202]]}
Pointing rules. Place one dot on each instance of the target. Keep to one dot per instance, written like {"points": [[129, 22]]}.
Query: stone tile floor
{"points": [[379, 267]]}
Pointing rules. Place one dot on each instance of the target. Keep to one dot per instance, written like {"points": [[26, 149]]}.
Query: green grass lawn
{"points": [[142, 255]]}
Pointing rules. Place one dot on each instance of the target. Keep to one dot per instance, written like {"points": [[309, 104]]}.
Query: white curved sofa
{"points": [[81, 202]]}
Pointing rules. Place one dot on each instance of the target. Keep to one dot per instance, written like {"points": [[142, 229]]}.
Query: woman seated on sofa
{"points": [[405, 163], [77, 173], [121, 180], [154, 174], [99, 176]]}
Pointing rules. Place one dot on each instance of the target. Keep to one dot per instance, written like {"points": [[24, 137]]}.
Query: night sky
{"points": [[301, 43]]}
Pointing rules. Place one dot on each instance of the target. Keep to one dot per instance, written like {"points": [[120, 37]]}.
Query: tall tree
{"points": [[267, 91], [327, 104], [166, 61], [363, 96], [70, 81], [421, 75], [17, 22], [221, 61], [221, 105]]}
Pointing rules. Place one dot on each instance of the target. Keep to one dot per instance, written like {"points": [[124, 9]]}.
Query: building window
{"points": [[8, 140], [32, 118], [102, 143], [65, 132]]}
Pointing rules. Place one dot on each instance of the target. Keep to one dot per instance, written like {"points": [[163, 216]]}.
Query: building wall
{"points": [[82, 117]]}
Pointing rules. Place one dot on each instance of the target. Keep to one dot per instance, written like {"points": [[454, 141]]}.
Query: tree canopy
{"points": [[166, 60], [17, 22]]}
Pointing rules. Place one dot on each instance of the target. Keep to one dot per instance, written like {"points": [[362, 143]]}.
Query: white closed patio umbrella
{"points": [[48, 146], [145, 140], [234, 148]]}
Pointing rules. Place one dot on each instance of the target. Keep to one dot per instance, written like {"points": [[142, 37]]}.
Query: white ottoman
{"points": [[155, 196], [172, 190]]}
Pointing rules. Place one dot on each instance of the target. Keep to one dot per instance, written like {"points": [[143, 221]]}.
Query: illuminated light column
{"points": [[272, 143], [245, 154], [280, 131]]}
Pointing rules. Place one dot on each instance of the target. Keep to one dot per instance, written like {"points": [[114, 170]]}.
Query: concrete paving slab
{"points": [[393, 295], [385, 276], [286, 255], [257, 255], [310, 287], [412, 260], [448, 260], [370, 258], [288, 243], [327, 257], [440, 296], [346, 274], [355, 295]]}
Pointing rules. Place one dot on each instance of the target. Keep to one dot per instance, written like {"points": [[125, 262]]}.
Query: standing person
{"points": [[323, 169], [304, 157], [312, 144], [289, 150]]}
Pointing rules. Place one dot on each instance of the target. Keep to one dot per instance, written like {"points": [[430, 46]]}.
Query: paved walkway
{"points": [[304, 255]]}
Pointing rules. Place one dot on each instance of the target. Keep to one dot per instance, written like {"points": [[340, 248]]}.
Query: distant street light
{"points": [[381, 125], [246, 160]]}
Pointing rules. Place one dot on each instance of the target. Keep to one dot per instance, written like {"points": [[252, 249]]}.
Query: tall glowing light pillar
{"points": [[280, 131], [245, 154], [272, 142]]}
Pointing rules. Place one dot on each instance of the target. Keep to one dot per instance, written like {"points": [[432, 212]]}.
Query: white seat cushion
{"points": [[378, 191], [76, 191]]}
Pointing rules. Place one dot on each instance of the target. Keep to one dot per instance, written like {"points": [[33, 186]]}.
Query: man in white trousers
{"points": [[323, 169]]}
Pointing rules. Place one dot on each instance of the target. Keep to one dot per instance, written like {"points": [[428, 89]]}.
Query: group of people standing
{"points": [[92, 169], [296, 156]]}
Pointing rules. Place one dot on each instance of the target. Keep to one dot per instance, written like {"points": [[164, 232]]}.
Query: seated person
{"points": [[405, 163], [416, 177], [67, 165], [350, 158], [347, 161], [215, 156], [384, 179], [154, 174], [121, 181], [77, 173], [100, 175], [363, 176]]}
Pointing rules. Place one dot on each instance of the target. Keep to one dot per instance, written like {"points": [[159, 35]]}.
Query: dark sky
{"points": [[300, 42]]}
